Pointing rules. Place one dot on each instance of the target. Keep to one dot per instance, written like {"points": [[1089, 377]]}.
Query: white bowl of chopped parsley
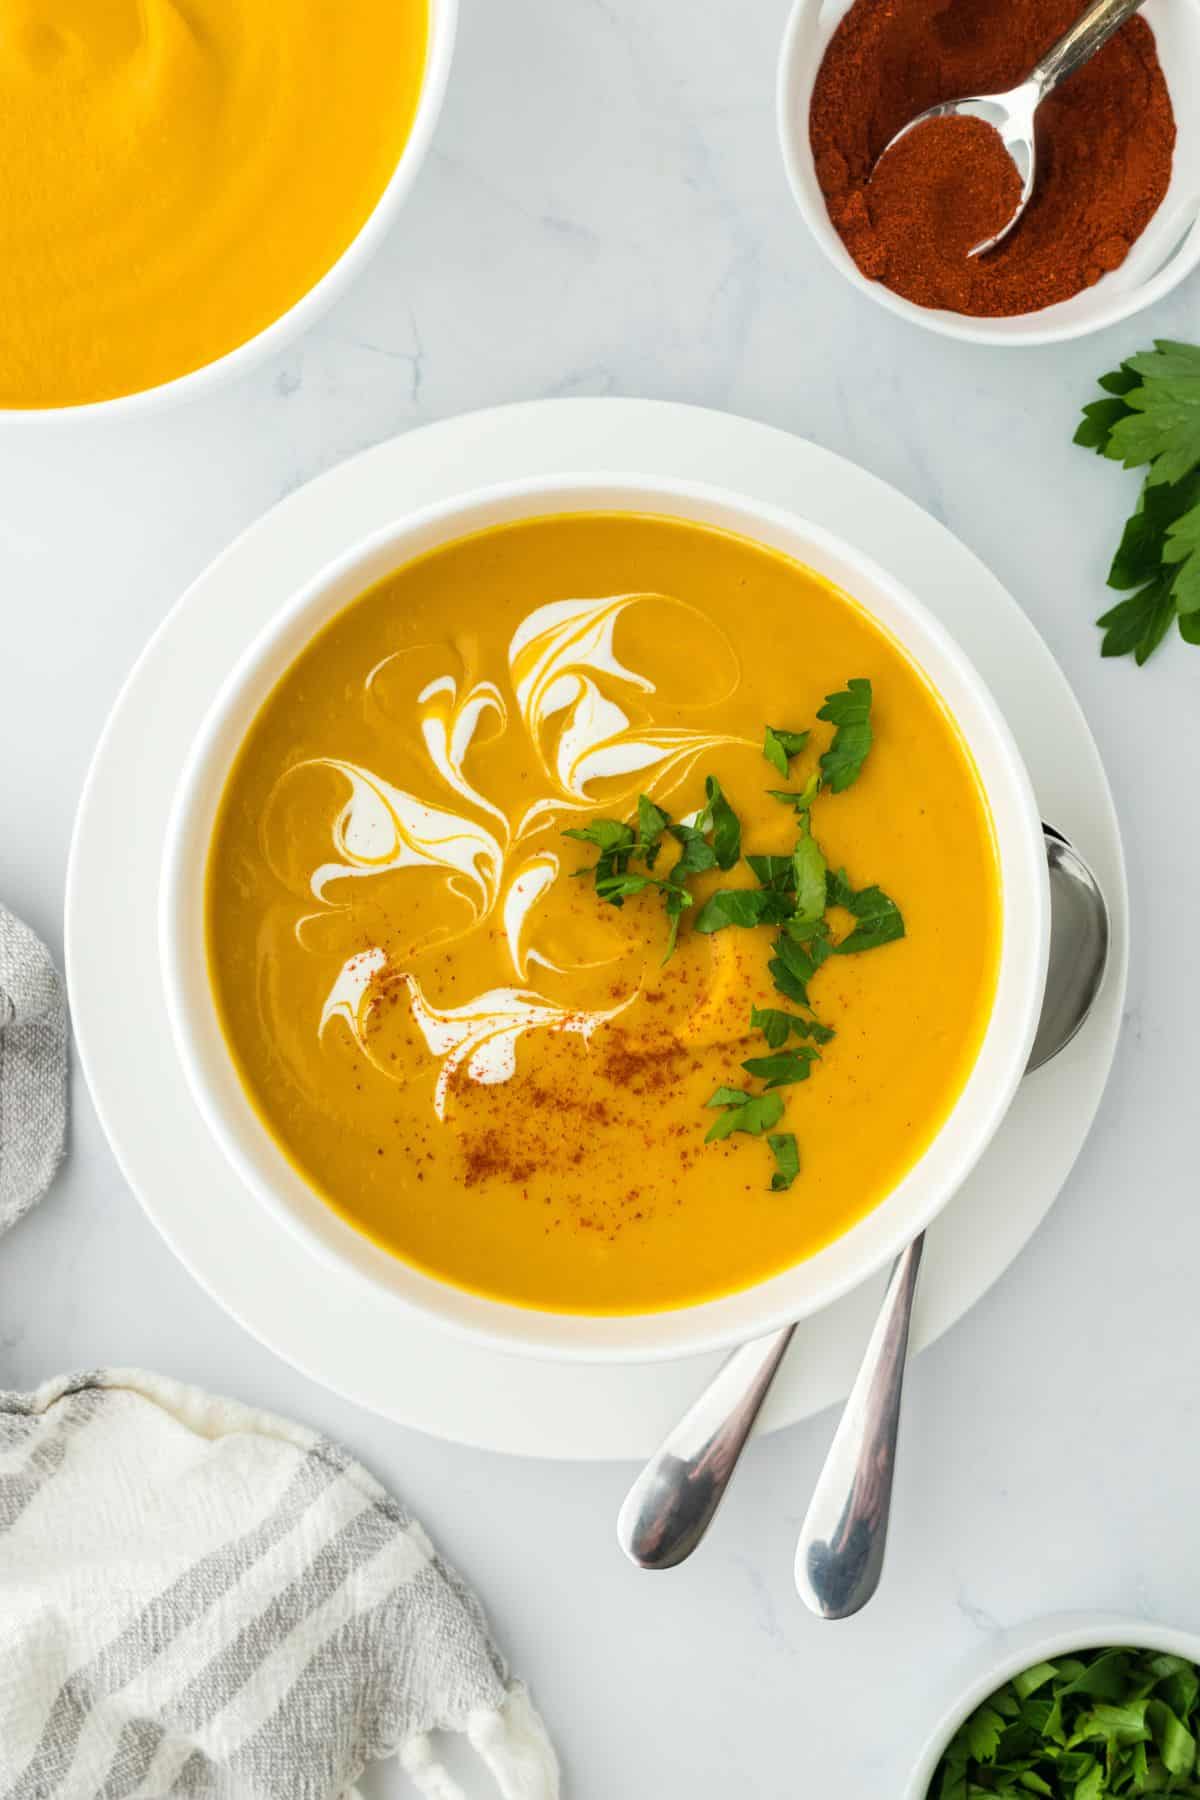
{"points": [[1078, 1707]]}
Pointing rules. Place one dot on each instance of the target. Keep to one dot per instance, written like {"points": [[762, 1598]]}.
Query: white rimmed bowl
{"points": [[806, 1287], [1167, 251], [443, 21], [1042, 1640]]}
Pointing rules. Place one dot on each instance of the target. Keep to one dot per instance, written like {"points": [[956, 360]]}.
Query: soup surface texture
{"points": [[177, 173], [476, 1057]]}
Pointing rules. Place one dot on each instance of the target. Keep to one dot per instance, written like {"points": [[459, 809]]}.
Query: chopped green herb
{"points": [[776, 1026], [809, 868], [879, 918], [850, 712], [787, 1160], [752, 1113], [796, 961], [799, 799], [1152, 421], [774, 872], [783, 1067], [721, 819], [652, 822], [1097, 1726], [780, 746], [745, 907], [696, 854], [608, 835]]}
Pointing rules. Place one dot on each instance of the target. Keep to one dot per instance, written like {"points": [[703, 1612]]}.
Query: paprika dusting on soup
{"points": [[1106, 138]]}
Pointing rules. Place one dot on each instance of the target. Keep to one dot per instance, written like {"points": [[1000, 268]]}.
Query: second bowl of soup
{"points": [[612, 916]]}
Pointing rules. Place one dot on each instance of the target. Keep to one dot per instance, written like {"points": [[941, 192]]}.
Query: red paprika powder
{"points": [[1106, 138]]}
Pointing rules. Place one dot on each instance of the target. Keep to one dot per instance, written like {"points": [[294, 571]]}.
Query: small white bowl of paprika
{"points": [[943, 46]]}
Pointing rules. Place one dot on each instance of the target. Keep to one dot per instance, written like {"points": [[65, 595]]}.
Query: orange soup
{"points": [[550, 966], [178, 173]]}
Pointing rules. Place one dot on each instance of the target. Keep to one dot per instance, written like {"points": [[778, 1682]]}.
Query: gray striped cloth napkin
{"points": [[33, 1068], [200, 1600]]}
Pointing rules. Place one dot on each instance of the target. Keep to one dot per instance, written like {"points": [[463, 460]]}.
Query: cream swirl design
{"points": [[562, 666]]}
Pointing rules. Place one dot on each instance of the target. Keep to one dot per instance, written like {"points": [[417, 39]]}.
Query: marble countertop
{"points": [[605, 212]]}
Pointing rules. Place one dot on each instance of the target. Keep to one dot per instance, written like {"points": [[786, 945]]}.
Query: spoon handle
{"points": [[1093, 28], [839, 1557], [671, 1504]]}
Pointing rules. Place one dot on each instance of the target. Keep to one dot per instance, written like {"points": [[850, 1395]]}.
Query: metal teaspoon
{"points": [[1012, 114], [672, 1503]]}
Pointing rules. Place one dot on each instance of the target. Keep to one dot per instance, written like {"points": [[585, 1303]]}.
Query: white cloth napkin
{"points": [[33, 1069], [201, 1600]]}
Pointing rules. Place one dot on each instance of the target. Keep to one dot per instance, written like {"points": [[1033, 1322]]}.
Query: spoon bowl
{"points": [[1012, 115]]}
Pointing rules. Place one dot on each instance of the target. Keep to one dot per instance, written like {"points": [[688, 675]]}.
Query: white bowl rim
{"points": [[1041, 1640], [633, 1337], [1178, 266], [443, 27]]}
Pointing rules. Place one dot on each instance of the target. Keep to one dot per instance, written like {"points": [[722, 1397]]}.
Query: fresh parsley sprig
{"points": [[1151, 419]]}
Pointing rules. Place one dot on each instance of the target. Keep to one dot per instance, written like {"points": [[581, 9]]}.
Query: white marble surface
{"points": [[605, 213]]}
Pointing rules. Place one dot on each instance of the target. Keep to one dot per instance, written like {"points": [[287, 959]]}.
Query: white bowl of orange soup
{"points": [[188, 187], [515, 965]]}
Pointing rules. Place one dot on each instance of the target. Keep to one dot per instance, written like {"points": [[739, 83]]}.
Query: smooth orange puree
{"points": [[468, 1052], [177, 173]]}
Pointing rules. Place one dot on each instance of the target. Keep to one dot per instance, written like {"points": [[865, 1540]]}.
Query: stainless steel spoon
{"points": [[672, 1503], [839, 1557], [1012, 114]]}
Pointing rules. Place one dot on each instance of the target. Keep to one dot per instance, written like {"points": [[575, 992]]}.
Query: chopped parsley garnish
{"points": [[794, 895], [779, 747], [753, 1113], [809, 868], [745, 907], [800, 800], [787, 1160], [850, 711], [719, 818], [777, 1026], [799, 953], [1151, 420], [784, 1067], [1101, 1724], [878, 918]]}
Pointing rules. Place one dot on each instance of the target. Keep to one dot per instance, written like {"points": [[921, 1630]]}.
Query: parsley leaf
{"points": [[879, 918], [850, 712], [1151, 420], [606, 834], [787, 1160], [783, 1067], [745, 907], [720, 818], [808, 866], [799, 799], [776, 1025], [752, 1113], [616, 843], [797, 959], [1139, 624], [652, 822], [696, 855], [776, 872], [780, 746]]}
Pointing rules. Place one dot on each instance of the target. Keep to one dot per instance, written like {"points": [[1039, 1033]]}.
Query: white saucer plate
{"points": [[329, 1323]]}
